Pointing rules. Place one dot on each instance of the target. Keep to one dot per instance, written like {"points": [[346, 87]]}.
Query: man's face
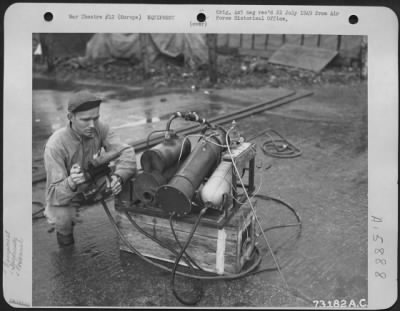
{"points": [[85, 122]]}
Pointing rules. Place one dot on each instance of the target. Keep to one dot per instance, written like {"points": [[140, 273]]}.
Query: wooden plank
{"points": [[178, 225], [165, 235], [199, 247], [293, 39], [310, 40], [202, 249], [311, 58], [230, 268], [150, 249], [159, 231], [181, 225]]}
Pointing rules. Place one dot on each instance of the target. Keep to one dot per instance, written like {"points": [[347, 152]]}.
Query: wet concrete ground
{"points": [[327, 185]]}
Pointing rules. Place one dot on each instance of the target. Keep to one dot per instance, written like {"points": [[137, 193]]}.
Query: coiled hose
{"points": [[279, 147]]}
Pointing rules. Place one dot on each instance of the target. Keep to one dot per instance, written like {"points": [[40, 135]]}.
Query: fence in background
{"points": [[347, 46]]}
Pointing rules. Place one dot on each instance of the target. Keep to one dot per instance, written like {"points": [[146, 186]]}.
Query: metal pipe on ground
{"points": [[139, 145], [236, 115]]}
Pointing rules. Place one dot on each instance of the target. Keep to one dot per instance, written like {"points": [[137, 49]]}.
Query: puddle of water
{"points": [[136, 123], [51, 96]]}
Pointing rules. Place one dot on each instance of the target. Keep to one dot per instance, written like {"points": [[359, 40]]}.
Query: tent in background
{"points": [[192, 48]]}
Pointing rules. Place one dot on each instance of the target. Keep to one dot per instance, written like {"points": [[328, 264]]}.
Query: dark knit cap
{"points": [[82, 101]]}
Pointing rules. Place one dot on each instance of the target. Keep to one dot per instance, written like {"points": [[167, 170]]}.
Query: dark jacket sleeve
{"points": [[58, 190], [126, 164]]}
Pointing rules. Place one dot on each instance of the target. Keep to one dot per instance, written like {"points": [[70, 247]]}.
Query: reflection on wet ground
{"points": [[126, 116], [94, 272], [131, 116]]}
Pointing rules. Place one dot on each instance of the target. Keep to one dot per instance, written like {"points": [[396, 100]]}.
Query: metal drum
{"points": [[177, 195]]}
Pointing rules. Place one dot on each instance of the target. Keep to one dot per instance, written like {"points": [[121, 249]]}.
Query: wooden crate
{"points": [[214, 250]]}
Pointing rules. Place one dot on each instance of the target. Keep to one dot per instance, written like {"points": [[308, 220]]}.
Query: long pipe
{"points": [[158, 138], [141, 145]]}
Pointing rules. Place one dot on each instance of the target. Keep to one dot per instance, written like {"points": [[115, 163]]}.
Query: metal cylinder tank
{"points": [[218, 184], [166, 154], [177, 195]]}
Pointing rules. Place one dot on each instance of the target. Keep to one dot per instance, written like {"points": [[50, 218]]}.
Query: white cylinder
{"points": [[218, 184]]}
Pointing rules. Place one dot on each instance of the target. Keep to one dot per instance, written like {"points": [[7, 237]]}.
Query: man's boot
{"points": [[65, 240]]}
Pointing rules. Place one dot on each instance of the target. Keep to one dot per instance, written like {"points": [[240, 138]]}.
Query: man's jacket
{"points": [[66, 147]]}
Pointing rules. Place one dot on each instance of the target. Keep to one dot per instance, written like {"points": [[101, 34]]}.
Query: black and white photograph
{"points": [[199, 166], [232, 167]]}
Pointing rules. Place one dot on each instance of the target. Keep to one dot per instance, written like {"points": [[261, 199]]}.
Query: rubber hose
{"points": [[180, 245], [174, 270]]}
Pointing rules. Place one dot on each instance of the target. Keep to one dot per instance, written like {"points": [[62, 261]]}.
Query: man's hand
{"points": [[115, 185], [76, 175]]}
